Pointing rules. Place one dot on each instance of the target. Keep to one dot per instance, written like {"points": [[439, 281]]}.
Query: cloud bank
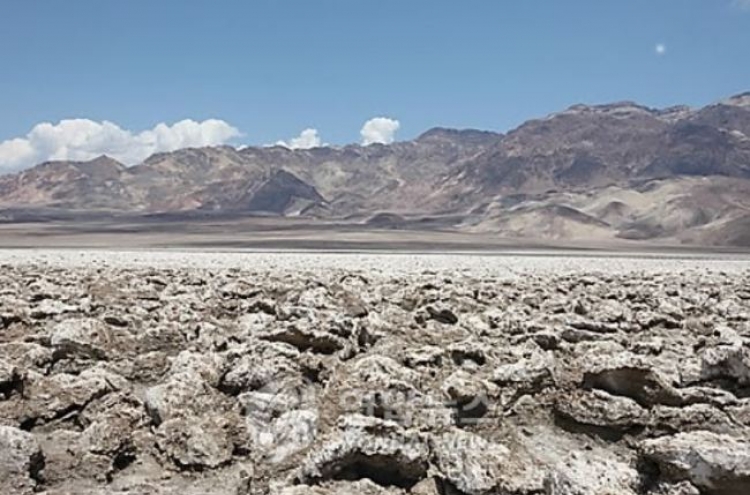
{"points": [[307, 139], [742, 4], [380, 130], [83, 139]]}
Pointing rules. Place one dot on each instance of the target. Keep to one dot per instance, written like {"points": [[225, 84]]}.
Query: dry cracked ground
{"points": [[298, 374]]}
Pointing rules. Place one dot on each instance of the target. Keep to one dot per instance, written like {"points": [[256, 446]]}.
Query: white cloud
{"points": [[741, 4], [83, 139], [660, 49], [307, 139], [379, 130]]}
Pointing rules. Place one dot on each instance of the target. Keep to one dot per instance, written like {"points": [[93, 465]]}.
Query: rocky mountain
{"points": [[96, 184], [617, 172]]}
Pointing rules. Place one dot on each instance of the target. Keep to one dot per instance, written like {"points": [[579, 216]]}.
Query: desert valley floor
{"points": [[189, 372]]}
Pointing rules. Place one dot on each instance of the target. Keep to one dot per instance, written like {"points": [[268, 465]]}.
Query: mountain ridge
{"points": [[678, 175]]}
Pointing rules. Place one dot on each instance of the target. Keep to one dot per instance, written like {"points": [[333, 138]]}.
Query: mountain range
{"points": [[620, 172]]}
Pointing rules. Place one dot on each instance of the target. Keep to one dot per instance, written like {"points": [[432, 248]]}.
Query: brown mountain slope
{"points": [[96, 184], [585, 147], [353, 178]]}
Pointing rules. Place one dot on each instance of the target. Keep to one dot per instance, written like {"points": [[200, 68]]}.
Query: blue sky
{"points": [[271, 68]]}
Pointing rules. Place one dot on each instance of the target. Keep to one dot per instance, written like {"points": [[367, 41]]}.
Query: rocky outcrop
{"points": [[21, 461], [715, 464], [372, 448]]}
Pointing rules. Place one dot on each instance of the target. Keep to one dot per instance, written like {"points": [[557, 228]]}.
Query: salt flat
{"points": [[501, 264], [311, 373]]}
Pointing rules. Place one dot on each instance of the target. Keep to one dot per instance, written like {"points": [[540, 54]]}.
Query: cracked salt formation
{"points": [[166, 373]]}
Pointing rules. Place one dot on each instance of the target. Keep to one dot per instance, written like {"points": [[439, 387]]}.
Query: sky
{"points": [[86, 77]]}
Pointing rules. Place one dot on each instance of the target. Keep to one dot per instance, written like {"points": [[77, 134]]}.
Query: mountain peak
{"points": [[100, 166], [466, 135], [741, 100], [105, 161], [616, 109]]}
